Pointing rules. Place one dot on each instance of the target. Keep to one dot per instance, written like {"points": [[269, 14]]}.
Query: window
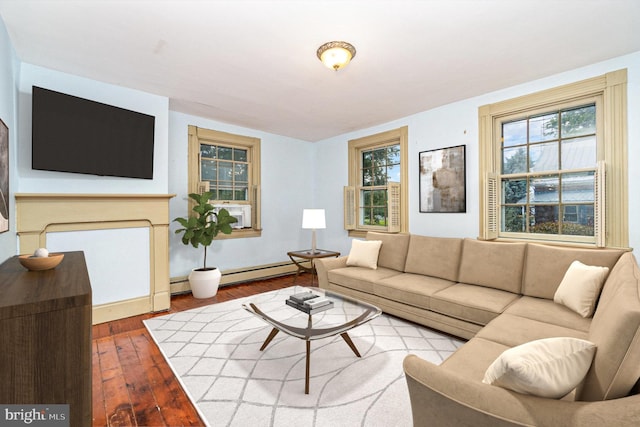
{"points": [[548, 166], [379, 167], [544, 159], [228, 165], [376, 197], [225, 170]]}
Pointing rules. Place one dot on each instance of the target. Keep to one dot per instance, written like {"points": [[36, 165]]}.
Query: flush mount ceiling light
{"points": [[336, 55]]}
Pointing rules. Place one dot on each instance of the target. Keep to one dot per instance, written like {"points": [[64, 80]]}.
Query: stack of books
{"points": [[309, 302]]}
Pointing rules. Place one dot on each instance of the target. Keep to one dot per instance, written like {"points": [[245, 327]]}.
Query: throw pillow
{"points": [[580, 287], [364, 253], [549, 367]]}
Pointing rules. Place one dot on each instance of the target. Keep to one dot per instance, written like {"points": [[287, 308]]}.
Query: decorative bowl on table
{"points": [[34, 263]]}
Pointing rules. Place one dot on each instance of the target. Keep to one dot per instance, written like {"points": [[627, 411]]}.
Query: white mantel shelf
{"points": [[40, 213]]}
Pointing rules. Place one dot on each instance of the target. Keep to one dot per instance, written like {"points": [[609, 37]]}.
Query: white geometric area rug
{"points": [[215, 353]]}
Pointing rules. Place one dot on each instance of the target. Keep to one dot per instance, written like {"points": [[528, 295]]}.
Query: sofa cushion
{"points": [[492, 264], [411, 289], [546, 265], [615, 329], [364, 253], [475, 304], [550, 367], [434, 256], [393, 252], [547, 311], [580, 287], [359, 278], [511, 330], [474, 357]]}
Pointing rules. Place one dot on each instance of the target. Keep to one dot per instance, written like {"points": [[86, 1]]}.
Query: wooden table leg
{"points": [[272, 334], [306, 377], [345, 336]]}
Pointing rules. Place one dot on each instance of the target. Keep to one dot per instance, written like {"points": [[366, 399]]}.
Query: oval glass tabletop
{"points": [[344, 313]]}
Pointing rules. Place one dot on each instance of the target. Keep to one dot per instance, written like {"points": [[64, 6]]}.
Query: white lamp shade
{"points": [[313, 219]]}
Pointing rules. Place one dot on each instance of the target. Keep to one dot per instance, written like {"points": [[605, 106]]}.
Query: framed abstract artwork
{"points": [[4, 177], [443, 180]]}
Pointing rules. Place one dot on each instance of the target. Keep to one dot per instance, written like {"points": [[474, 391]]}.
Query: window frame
{"points": [[555, 108], [232, 186], [198, 136], [612, 150], [380, 140]]}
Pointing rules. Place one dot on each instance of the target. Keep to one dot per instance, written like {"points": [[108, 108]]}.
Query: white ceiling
{"points": [[253, 63]]}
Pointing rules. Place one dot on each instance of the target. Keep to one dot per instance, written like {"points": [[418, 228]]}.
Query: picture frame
{"points": [[442, 180], [4, 177]]}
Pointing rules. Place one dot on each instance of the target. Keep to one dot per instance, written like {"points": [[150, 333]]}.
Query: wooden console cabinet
{"points": [[45, 336]]}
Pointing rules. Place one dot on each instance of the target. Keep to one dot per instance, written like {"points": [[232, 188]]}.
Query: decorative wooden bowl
{"points": [[40, 263]]}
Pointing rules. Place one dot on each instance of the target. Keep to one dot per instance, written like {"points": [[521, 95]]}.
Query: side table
{"points": [[299, 257]]}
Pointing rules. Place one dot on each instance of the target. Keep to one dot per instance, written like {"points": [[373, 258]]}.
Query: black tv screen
{"points": [[71, 134]]}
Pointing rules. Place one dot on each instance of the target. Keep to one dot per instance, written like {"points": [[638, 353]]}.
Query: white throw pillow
{"points": [[580, 287], [364, 253], [549, 367]]}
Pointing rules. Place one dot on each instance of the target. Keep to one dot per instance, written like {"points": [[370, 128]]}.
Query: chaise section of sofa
{"points": [[453, 393]]}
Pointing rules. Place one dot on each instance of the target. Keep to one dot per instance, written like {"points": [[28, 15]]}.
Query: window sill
{"points": [[357, 234], [363, 233], [244, 233], [562, 243]]}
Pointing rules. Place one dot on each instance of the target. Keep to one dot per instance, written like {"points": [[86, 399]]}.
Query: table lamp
{"points": [[313, 219]]}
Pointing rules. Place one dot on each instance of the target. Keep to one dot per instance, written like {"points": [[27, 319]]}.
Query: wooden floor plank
{"points": [[98, 411], [133, 384], [174, 404], [145, 407], [117, 402]]}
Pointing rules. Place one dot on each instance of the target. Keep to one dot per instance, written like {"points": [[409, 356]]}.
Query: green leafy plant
{"points": [[205, 224]]}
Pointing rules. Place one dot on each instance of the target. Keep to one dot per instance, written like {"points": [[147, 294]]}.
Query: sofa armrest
{"points": [[324, 265], [444, 398]]}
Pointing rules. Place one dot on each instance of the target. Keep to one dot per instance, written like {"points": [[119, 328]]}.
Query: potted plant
{"points": [[200, 229]]}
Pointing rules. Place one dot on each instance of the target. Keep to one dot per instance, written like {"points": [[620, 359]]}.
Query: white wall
{"points": [[9, 68], [457, 124], [36, 181], [286, 180]]}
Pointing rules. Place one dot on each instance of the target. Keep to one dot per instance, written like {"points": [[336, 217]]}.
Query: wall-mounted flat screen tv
{"points": [[71, 134]]}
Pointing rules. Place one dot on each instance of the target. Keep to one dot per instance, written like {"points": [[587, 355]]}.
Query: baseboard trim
{"points": [[120, 309], [180, 285]]}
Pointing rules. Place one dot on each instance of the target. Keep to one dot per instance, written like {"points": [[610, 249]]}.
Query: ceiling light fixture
{"points": [[336, 55]]}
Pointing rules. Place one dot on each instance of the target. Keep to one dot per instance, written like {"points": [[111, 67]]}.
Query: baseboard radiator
{"points": [[180, 285]]}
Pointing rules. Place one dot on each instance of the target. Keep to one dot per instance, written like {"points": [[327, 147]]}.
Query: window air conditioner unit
{"points": [[240, 212]]}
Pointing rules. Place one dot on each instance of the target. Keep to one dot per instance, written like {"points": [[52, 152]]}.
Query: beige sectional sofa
{"points": [[499, 296]]}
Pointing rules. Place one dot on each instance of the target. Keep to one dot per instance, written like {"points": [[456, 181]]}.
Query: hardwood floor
{"points": [[132, 383]]}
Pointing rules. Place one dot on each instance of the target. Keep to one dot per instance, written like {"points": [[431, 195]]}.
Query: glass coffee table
{"points": [[343, 314]]}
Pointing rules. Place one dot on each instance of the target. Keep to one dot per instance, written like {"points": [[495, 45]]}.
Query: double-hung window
{"points": [[228, 166], [551, 165], [376, 199], [548, 178]]}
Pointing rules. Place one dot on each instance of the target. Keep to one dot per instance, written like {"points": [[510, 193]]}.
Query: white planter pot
{"points": [[204, 283]]}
